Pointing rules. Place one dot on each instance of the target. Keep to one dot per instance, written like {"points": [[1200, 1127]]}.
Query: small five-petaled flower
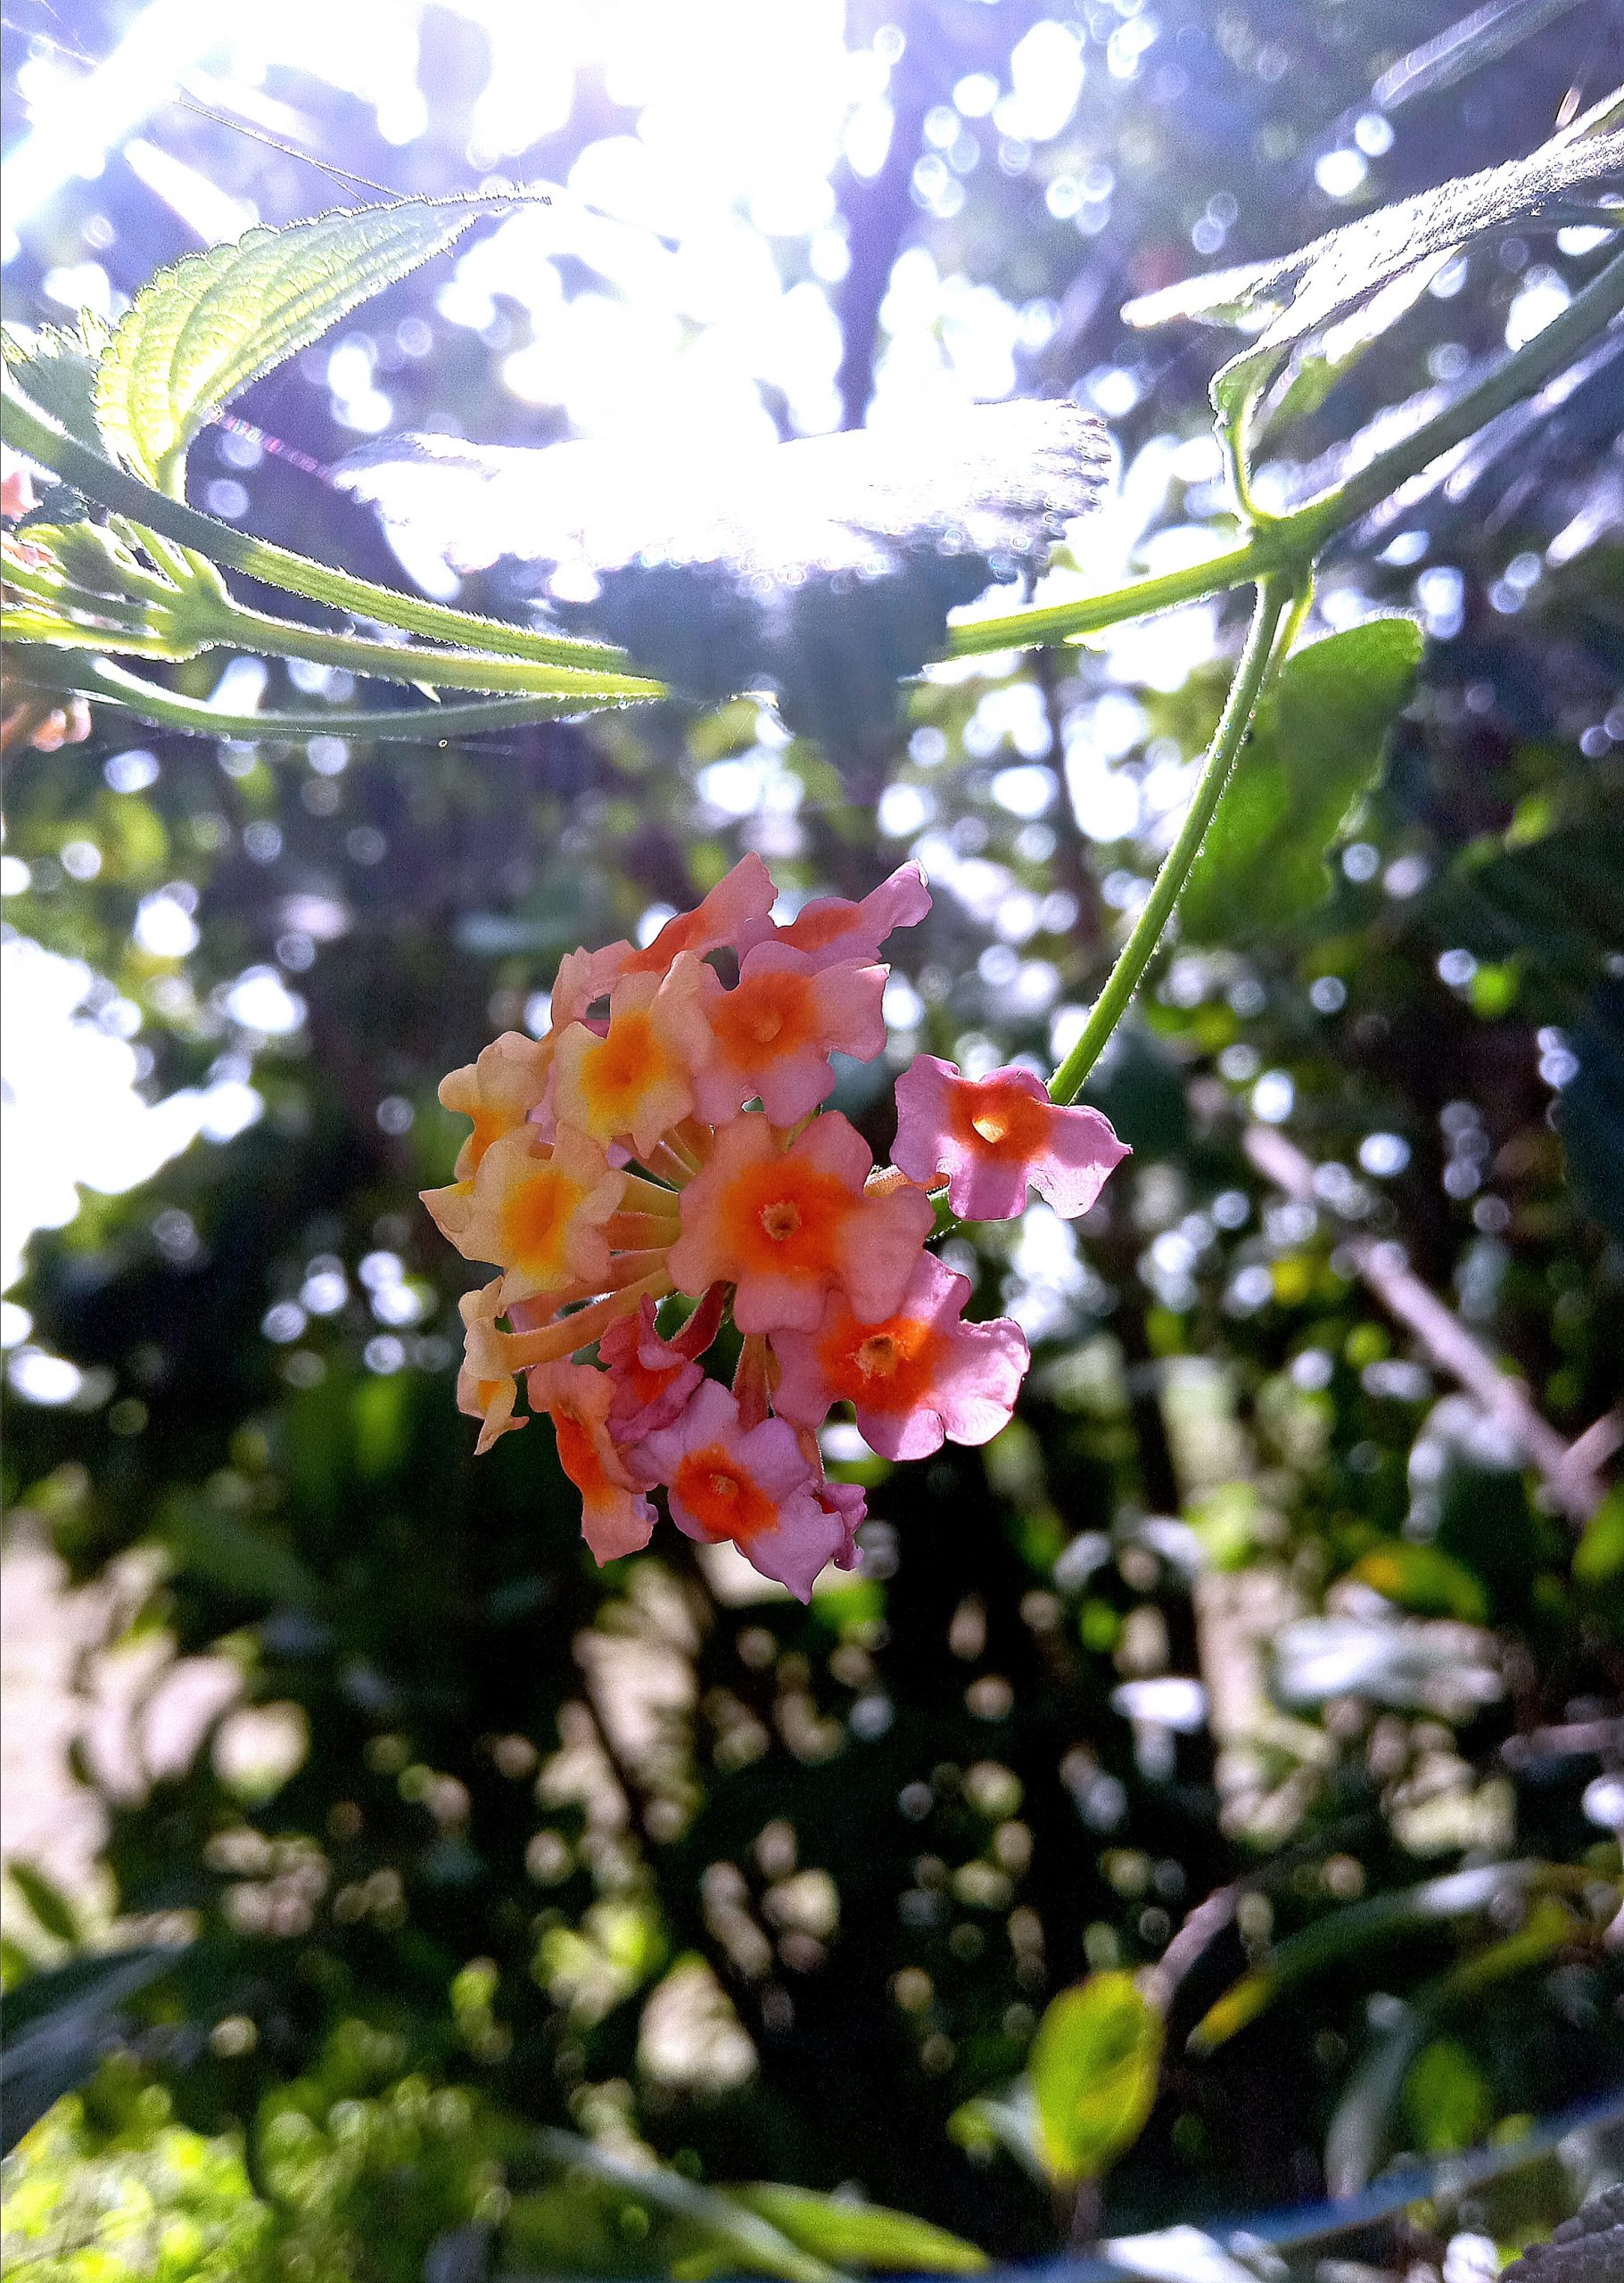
{"points": [[661, 1164]]}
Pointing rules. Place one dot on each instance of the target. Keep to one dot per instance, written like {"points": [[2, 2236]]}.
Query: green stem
{"points": [[1274, 598], [434, 668], [110, 685], [34, 432], [1288, 543]]}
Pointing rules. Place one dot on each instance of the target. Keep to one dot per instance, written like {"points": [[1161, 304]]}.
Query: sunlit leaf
{"points": [[1446, 2097], [1095, 2064], [1599, 1557], [859, 2235], [1423, 1578], [1301, 293], [1316, 745], [201, 332]]}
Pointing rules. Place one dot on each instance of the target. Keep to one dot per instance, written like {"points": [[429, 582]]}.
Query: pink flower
{"points": [[996, 1136], [786, 1226], [772, 1034], [617, 1519], [652, 1381], [919, 1376], [733, 917], [756, 1488], [830, 928]]}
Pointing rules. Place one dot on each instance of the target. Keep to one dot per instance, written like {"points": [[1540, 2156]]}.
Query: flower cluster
{"points": [[661, 1163]]}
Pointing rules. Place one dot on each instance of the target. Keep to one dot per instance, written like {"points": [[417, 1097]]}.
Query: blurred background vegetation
{"points": [[1272, 1612]]}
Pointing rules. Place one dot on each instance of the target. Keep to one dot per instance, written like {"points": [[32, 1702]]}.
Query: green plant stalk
{"points": [[1288, 543], [1274, 596], [35, 434], [237, 628], [107, 684]]}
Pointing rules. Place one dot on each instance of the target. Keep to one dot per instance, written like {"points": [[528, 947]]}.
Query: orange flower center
{"points": [[766, 1010], [885, 1367], [724, 1499], [625, 1064], [787, 1218], [535, 1216], [998, 1116]]}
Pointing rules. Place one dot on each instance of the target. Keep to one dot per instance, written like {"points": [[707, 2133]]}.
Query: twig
{"points": [[1568, 1470]]}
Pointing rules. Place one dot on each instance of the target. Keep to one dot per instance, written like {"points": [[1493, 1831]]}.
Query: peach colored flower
{"points": [[997, 1136], [772, 1034], [831, 929], [539, 1214], [919, 1377], [788, 1225], [486, 1390], [617, 1519], [755, 1486], [498, 1091], [634, 1080]]}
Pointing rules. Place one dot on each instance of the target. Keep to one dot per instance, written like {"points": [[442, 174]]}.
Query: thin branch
{"points": [[1568, 1470]]}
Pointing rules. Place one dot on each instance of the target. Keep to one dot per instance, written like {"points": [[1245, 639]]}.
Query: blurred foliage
{"points": [[491, 1843]]}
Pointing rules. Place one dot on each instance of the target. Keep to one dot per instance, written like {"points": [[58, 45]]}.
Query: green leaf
{"points": [[859, 2235], [1302, 293], [1345, 1933], [50, 1906], [1095, 2063], [1447, 2098], [231, 1554], [57, 368], [1316, 745], [201, 330], [1599, 1557], [1423, 1578]]}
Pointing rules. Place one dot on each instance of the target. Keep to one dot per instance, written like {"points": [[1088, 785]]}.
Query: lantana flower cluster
{"points": [[661, 1165]]}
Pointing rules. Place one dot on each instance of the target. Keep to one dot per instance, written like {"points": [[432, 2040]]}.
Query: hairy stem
{"points": [[1288, 543], [34, 432], [1274, 598], [107, 684]]}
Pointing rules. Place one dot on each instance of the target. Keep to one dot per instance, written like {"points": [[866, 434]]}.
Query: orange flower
{"points": [[617, 1519], [788, 1226]]}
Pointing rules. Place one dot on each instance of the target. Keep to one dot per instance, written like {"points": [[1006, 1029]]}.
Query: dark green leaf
{"points": [[1316, 745], [1095, 2064], [203, 330], [233, 1554], [57, 2025], [50, 1906], [58, 367]]}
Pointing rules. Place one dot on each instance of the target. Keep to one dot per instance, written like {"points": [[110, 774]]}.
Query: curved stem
{"points": [[35, 434], [1274, 598], [107, 684], [1287, 542]]}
